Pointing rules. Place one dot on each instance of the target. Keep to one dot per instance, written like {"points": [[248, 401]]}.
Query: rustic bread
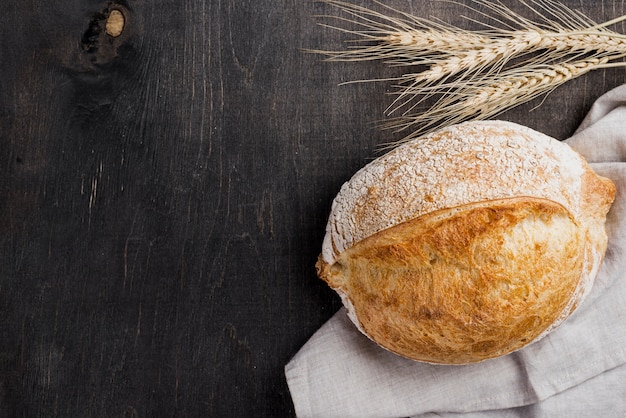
{"points": [[466, 244]]}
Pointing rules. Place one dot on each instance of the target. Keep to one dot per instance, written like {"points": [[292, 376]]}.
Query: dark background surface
{"points": [[164, 193]]}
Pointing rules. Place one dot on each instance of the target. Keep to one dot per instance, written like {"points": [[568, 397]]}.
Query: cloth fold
{"points": [[576, 371]]}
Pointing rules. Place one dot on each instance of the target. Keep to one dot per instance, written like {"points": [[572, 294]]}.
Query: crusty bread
{"points": [[467, 244]]}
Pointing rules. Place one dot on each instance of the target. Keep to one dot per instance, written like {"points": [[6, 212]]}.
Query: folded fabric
{"points": [[576, 371]]}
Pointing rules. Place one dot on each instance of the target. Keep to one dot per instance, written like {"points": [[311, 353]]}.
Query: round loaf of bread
{"points": [[468, 243]]}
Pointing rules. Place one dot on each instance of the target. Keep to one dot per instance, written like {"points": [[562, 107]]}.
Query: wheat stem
{"points": [[609, 22]]}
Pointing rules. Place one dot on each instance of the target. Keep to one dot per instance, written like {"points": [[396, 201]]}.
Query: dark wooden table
{"points": [[164, 195]]}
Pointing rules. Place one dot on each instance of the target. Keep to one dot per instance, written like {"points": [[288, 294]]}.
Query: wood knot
{"points": [[107, 31], [115, 23]]}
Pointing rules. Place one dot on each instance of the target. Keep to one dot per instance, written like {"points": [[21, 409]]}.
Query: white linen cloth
{"points": [[579, 370]]}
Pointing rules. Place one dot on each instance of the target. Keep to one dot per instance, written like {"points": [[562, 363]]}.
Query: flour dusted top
{"points": [[466, 163]]}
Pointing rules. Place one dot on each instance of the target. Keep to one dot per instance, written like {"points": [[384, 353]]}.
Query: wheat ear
{"points": [[476, 74], [487, 98]]}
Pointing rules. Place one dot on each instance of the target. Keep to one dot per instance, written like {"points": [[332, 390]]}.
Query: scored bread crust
{"points": [[455, 174]]}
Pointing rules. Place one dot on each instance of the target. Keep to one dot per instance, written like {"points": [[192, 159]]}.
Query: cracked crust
{"points": [[467, 244]]}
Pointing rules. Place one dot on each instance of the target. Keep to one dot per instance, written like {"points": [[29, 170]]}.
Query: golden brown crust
{"points": [[464, 284], [468, 244]]}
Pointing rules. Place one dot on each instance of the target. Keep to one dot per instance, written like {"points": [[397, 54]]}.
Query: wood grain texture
{"points": [[164, 193]]}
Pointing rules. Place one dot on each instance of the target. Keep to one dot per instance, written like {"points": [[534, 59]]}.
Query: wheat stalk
{"points": [[487, 98], [477, 74]]}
